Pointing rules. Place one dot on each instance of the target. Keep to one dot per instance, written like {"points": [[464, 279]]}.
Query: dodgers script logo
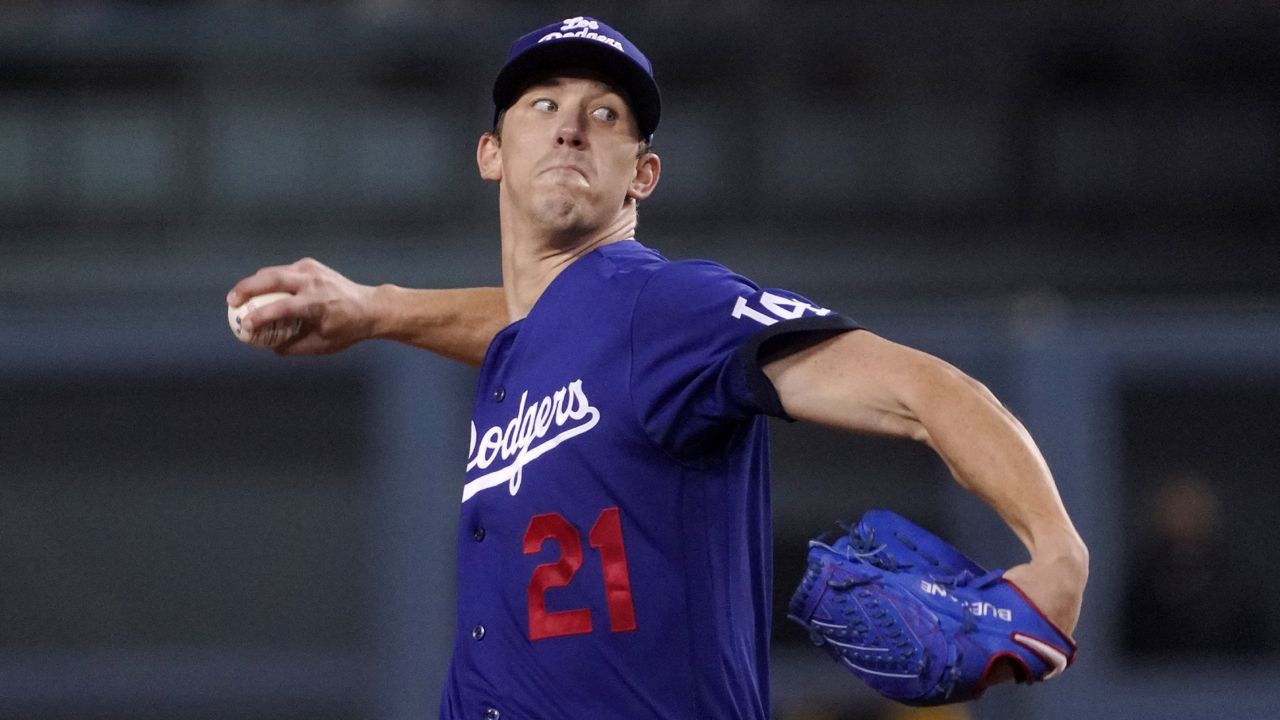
{"points": [[584, 28], [579, 23], [537, 428]]}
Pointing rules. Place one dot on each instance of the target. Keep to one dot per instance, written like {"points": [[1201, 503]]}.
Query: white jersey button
{"points": [[477, 632]]}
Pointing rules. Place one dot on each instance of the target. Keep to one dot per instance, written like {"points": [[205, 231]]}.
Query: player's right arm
{"points": [[338, 312]]}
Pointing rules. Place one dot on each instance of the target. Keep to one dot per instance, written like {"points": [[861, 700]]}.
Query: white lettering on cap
{"points": [[574, 23], [583, 28]]}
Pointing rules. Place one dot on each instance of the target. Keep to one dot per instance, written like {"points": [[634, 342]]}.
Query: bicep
{"points": [[860, 382]]}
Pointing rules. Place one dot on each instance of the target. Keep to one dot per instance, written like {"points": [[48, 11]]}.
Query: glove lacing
{"points": [[863, 545]]}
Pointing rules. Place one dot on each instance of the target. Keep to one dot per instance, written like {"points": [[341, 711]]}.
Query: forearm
{"points": [[993, 456], [457, 323], [865, 384]]}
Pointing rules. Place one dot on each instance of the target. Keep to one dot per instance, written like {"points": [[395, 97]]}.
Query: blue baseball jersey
{"points": [[614, 549]]}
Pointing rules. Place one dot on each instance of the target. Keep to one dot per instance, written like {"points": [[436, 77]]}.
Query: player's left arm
{"points": [[863, 383]]}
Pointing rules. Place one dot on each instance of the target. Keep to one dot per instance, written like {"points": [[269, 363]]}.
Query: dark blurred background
{"points": [[1077, 203]]}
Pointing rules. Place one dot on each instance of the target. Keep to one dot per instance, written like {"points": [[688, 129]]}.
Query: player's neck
{"points": [[532, 257]]}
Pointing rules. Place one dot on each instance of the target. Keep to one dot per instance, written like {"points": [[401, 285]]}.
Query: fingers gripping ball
{"points": [[270, 335], [917, 620]]}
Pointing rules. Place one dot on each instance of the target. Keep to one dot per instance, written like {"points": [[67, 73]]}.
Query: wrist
{"points": [[379, 308], [1065, 551]]}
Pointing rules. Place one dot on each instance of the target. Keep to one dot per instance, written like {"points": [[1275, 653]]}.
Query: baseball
{"points": [[269, 336]]}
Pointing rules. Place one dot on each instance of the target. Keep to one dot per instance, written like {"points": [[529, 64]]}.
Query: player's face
{"points": [[568, 155]]}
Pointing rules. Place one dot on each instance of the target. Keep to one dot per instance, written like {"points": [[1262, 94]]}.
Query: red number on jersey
{"points": [[605, 536], [544, 624]]}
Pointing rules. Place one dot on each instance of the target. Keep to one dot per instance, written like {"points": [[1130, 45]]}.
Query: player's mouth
{"points": [[562, 167], [570, 169]]}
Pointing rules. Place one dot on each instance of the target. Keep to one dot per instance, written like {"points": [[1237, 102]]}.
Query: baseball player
{"points": [[614, 542]]}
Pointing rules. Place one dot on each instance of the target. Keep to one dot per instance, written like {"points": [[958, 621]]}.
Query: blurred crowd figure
{"points": [[1191, 591]]}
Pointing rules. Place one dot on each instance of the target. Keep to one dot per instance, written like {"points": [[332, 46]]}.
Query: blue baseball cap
{"points": [[587, 43]]}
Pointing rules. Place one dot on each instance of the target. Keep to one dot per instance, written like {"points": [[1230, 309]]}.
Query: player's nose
{"points": [[571, 132]]}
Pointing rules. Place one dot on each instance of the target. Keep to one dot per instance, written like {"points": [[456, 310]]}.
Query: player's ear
{"points": [[648, 170], [488, 157]]}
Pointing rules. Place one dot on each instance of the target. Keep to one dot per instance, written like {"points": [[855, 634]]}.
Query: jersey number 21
{"points": [[605, 536]]}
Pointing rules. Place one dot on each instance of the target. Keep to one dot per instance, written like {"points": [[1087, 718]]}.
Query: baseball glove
{"points": [[915, 619]]}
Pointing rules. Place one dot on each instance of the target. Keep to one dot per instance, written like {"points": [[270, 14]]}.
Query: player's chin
{"points": [[561, 190], [561, 211]]}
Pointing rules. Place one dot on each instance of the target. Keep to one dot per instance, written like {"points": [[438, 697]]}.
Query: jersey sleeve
{"points": [[700, 336]]}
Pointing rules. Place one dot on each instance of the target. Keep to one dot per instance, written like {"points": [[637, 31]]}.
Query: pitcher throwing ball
{"points": [[614, 544]]}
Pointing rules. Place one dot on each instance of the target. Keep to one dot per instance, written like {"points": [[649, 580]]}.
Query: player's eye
{"points": [[604, 114], [545, 105]]}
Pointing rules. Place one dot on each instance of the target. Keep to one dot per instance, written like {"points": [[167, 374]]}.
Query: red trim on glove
{"points": [[1071, 656]]}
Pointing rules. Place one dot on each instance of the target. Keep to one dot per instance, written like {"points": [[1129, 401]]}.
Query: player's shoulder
{"points": [[648, 268], [693, 289]]}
